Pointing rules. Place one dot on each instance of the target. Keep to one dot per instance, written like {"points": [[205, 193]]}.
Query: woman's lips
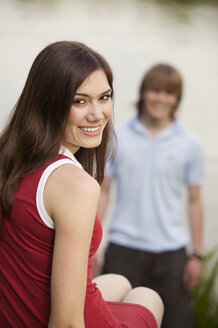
{"points": [[90, 130]]}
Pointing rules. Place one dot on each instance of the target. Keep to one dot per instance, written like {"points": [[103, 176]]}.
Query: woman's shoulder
{"points": [[72, 178], [67, 190]]}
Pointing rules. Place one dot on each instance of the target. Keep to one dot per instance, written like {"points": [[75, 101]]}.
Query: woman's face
{"points": [[89, 113]]}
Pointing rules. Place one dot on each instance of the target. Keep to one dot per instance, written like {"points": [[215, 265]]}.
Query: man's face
{"points": [[159, 104]]}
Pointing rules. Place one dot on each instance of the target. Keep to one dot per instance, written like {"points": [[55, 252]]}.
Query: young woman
{"points": [[52, 156]]}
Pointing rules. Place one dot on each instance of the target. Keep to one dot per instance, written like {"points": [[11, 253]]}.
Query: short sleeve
{"points": [[195, 168]]}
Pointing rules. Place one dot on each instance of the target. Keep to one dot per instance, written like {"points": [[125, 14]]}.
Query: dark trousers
{"points": [[162, 272]]}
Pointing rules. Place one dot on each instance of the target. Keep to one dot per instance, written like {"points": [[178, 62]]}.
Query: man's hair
{"points": [[160, 77]]}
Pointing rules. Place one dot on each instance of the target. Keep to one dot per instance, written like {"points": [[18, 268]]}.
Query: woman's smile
{"points": [[91, 130]]}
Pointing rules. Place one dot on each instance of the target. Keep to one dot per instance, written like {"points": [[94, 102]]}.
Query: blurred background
{"points": [[132, 35]]}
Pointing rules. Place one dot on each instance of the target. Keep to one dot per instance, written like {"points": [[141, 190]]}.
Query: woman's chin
{"points": [[92, 143]]}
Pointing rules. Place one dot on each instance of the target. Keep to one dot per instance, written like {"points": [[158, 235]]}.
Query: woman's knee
{"points": [[146, 293], [148, 298], [114, 287], [120, 282]]}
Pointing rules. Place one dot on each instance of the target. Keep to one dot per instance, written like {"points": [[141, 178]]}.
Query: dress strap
{"points": [[40, 189]]}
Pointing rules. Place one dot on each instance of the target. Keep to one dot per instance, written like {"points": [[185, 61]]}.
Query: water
{"points": [[132, 35]]}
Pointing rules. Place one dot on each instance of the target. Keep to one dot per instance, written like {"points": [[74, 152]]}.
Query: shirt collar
{"points": [[140, 128]]}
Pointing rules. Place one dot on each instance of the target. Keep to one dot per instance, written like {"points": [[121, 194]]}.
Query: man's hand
{"points": [[192, 273]]}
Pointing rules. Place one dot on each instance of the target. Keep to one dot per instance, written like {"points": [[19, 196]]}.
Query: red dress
{"points": [[26, 248]]}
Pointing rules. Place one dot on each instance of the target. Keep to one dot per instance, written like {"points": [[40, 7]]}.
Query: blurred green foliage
{"points": [[205, 295], [185, 3]]}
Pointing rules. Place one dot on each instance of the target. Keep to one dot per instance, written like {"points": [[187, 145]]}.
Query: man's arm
{"points": [[196, 217], [193, 268]]}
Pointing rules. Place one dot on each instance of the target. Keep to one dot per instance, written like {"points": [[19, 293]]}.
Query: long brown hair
{"points": [[34, 133], [163, 77]]}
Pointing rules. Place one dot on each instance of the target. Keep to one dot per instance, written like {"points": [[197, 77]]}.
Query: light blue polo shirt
{"points": [[150, 175]]}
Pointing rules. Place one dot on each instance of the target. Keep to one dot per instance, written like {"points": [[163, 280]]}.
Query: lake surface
{"points": [[132, 35]]}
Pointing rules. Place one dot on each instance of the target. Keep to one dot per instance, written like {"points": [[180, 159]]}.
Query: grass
{"points": [[205, 295]]}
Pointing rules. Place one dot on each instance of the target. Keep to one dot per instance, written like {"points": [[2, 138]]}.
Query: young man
{"points": [[156, 158]]}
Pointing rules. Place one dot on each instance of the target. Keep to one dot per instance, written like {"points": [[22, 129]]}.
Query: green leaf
{"points": [[204, 297]]}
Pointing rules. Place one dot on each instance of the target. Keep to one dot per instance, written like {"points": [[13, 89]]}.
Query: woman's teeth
{"points": [[90, 129]]}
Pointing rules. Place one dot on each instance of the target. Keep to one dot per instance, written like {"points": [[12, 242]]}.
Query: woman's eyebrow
{"points": [[107, 91], [81, 94], [87, 96]]}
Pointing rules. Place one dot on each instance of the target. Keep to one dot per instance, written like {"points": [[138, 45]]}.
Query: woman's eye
{"points": [[79, 101], [106, 97]]}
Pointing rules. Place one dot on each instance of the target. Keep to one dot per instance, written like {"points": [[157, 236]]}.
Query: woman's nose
{"points": [[95, 112]]}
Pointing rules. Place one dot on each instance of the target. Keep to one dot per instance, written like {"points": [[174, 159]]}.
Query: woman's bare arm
{"points": [[70, 198]]}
